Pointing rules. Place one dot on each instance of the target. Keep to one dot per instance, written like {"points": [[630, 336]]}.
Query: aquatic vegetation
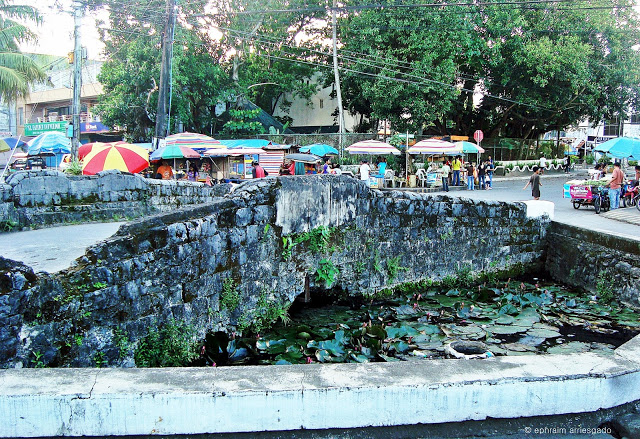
{"points": [[512, 318]]}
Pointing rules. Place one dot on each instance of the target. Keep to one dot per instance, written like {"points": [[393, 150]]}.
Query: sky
{"points": [[55, 34]]}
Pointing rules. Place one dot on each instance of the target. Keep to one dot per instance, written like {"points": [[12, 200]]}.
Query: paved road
{"points": [[55, 248], [551, 190]]}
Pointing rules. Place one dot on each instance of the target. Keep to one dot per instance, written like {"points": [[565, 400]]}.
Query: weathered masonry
{"points": [[265, 243]]}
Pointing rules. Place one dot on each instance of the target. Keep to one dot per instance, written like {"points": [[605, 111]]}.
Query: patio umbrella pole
{"points": [[406, 157]]}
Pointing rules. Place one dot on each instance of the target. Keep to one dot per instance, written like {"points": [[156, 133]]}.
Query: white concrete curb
{"points": [[103, 402]]}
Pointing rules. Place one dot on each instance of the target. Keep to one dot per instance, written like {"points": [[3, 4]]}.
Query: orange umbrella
{"points": [[122, 156]]}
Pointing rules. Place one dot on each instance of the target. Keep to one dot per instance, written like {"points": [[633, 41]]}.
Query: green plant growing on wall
{"points": [[74, 167], [393, 267], [229, 296], [265, 232], [287, 247], [8, 225], [605, 288], [171, 345], [464, 276], [327, 272], [37, 361], [267, 312], [98, 359], [121, 341], [359, 267], [377, 263]]}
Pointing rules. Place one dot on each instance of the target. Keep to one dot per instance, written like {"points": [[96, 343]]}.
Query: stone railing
{"points": [[40, 198]]}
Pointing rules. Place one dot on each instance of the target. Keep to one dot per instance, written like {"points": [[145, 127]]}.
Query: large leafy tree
{"points": [[17, 70], [538, 67], [131, 75]]}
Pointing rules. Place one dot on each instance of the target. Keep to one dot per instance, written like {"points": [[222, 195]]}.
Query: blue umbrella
{"points": [[8, 143], [319, 149], [621, 147], [50, 142]]}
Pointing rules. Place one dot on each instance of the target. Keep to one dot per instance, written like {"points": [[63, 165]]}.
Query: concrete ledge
{"points": [[538, 208], [105, 402]]}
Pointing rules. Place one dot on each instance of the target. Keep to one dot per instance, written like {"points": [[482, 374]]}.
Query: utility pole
{"points": [[77, 78], [336, 75], [164, 93]]}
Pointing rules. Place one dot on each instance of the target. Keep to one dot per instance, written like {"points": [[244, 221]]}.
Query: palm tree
{"points": [[17, 70]]}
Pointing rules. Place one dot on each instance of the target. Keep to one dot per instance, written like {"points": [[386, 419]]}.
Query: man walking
{"points": [[456, 165], [615, 186], [534, 181]]}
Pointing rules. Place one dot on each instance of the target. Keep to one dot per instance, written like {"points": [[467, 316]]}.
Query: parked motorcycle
{"points": [[630, 194]]}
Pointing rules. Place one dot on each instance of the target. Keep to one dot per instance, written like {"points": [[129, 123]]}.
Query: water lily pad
{"points": [[573, 347], [448, 301], [543, 333], [505, 330], [519, 347], [505, 320], [531, 340]]}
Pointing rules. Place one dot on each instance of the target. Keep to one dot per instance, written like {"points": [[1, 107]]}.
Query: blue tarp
{"points": [[50, 142]]}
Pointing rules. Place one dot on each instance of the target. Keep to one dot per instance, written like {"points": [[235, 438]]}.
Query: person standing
{"points": [[258, 171], [567, 163], [326, 168], [165, 171], [365, 170], [470, 177], [382, 167], [543, 164], [482, 172], [490, 169], [534, 181], [446, 170], [455, 166], [615, 186]]}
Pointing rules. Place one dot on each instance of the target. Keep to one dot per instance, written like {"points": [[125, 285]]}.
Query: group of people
{"points": [[291, 167], [482, 173], [365, 170]]}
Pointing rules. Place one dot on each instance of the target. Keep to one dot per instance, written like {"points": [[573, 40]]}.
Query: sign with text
{"points": [[35, 129]]}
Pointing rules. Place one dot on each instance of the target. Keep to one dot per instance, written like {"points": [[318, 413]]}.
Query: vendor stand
{"points": [[588, 193], [432, 148]]}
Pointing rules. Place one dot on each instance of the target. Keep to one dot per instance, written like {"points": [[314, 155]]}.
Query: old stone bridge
{"points": [[241, 256]]}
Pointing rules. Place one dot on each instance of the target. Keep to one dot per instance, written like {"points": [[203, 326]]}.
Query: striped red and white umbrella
{"points": [[372, 147], [193, 140], [122, 156], [434, 147], [219, 152]]}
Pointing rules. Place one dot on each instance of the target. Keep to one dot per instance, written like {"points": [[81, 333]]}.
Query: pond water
{"points": [[512, 318]]}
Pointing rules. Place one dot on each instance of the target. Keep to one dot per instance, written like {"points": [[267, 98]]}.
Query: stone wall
{"points": [[595, 261], [41, 198], [261, 244]]}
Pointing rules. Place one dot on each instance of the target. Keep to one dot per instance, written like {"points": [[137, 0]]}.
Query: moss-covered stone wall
{"points": [[239, 261]]}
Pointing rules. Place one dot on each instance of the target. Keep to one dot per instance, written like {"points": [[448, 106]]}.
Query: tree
{"points": [[538, 67], [17, 70]]}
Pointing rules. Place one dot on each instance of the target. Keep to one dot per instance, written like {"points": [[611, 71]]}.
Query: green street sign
{"points": [[35, 129]]}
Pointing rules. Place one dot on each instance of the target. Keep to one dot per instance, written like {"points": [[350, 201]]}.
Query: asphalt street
{"points": [[551, 190], [55, 248]]}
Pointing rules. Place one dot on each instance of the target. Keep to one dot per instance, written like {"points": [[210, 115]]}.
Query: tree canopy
{"points": [[537, 67], [515, 70]]}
